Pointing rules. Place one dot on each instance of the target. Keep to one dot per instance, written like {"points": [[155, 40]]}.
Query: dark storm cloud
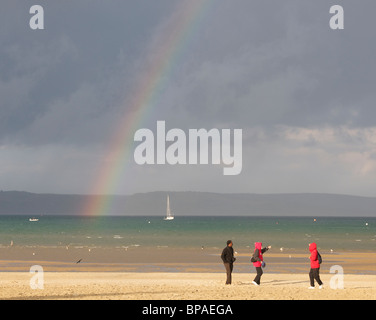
{"points": [[302, 93], [287, 68], [81, 64], [251, 63]]}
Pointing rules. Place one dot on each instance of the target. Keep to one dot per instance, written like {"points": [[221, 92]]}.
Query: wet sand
{"points": [[166, 259]]}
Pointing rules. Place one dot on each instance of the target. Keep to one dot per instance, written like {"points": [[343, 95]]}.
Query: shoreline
{"points": [[173, 260]]}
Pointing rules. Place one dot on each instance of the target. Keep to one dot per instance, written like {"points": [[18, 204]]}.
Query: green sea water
{"points": [[290, 233]]}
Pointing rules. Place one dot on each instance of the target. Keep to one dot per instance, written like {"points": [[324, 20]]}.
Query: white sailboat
{"points": [[169, 215]]}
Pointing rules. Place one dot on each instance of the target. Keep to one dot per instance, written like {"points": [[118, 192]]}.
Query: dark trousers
{"points": [[314, 274], [259, 274], [228, 267]]}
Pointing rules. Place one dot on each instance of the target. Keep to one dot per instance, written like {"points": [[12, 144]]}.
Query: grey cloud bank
{"points": [[303, 94]]}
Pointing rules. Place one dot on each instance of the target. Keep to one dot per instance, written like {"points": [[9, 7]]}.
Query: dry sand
{"points": [[180, 286]]}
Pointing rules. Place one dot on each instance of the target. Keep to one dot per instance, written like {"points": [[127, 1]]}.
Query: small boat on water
{"points": [[33, 219], [169, 215]]}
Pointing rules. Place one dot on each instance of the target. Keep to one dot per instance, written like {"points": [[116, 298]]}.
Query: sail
{"points": [[169, 216]]}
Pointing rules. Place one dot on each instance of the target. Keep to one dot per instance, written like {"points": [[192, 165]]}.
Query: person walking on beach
{"points": [[314, 272], [228, 259], [258, 261]]}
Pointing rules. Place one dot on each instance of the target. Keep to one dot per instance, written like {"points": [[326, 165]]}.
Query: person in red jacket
{"points": [[314, 272], [258, 261]]}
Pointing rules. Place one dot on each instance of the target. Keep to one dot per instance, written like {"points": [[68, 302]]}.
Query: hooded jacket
{"points": [[314, 257], [257, 255]]}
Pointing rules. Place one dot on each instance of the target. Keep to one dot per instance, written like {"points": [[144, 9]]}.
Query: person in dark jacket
{"points": [[258, 261], [228, 259], [314, 272]]}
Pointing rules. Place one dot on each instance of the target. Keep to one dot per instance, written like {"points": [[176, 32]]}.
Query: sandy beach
{"points": [[180, 286], [166, 273]]}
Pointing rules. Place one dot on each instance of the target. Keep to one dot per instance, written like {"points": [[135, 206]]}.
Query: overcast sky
{"points": [[303, 94]]}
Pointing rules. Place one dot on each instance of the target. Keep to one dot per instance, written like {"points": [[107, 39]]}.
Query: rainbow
{"points": [[189, 15]]}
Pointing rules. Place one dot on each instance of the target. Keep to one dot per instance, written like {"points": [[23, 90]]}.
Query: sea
{"points": [[354, 234]]}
